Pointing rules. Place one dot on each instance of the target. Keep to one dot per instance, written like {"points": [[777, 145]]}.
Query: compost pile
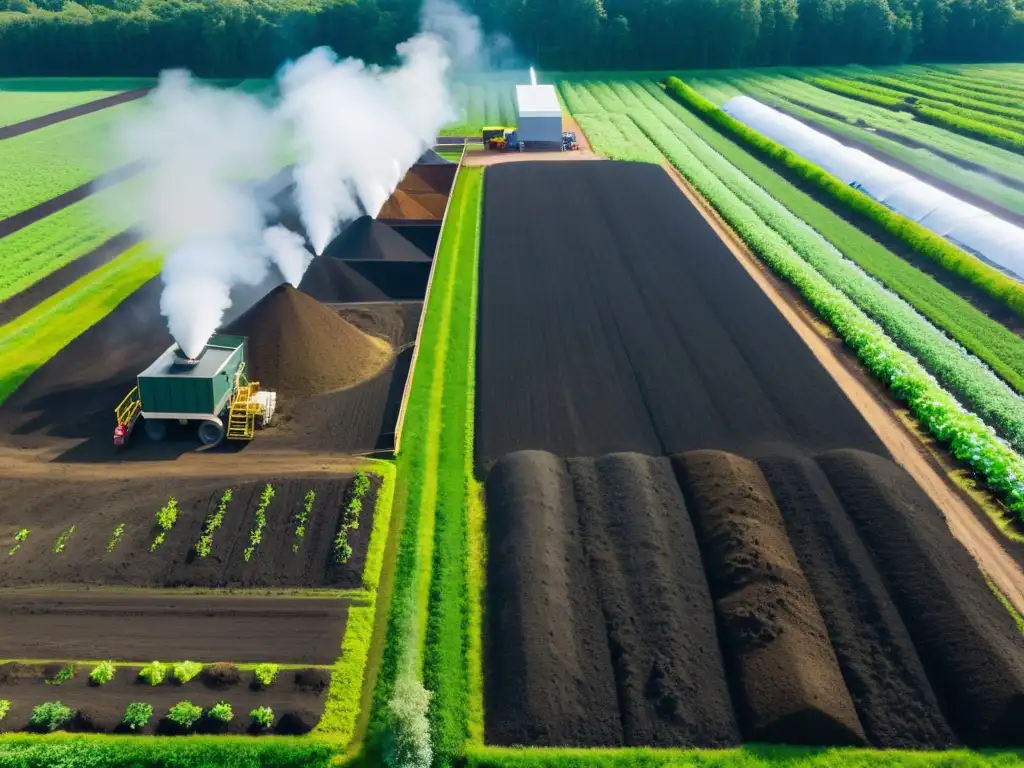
{"points": [[331, 280], [299, 347], [366, 239], [422, 193], [704, 599]]}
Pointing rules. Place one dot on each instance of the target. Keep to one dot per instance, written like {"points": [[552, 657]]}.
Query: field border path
{"points": [[26, 126]]}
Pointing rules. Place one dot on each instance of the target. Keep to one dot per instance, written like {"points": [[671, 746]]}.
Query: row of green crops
{"points": [[42, 164], [964, 375], [1008, 106], [912, 234], [482, 103], [430, 492], [32, 253], [995, 130], [903, 126], [1000, 348], [968, 437], [960, 86]]}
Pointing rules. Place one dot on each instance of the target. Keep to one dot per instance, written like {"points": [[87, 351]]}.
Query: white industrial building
{"points": [[992, 239], [540, 114]]}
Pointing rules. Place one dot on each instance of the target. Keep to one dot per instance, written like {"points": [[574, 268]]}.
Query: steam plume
{"points": [[356, 129]]}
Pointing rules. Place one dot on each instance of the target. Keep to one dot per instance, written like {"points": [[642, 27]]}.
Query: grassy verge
{"points": [[418, 466], [445, 667], [85, 751], [750, 756], [36, 336], [918, 238]]}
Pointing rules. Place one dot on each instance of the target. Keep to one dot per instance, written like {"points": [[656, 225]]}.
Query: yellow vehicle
{"points": [[500, 138]]}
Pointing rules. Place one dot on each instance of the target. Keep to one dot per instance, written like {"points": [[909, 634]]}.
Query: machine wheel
{"points": [[155, 430], [210, 432]]}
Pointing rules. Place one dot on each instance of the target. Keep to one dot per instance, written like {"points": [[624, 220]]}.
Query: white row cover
{"points": [[992, 239], [537, 101]]}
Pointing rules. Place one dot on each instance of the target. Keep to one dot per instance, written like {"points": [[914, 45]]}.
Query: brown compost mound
{"points": [[300, 348], [882, 669], [333, 281], [658, 612], [786, 681], [366, 239], [551, 681], [969, 645]]}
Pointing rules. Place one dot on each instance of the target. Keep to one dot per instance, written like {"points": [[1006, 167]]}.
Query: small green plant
{"points": [[19, 538], [262, 716], [205, 544], [165, 520], [265, 674], [301, 518], [153, 673], [350, 517], [407, 736], [185, 714], [137, 715], [261, 521], [5, 707], [222, 712], [66, 673], [115, 537], [51, 716], [102, 673], [186, 670], [62, 540]]}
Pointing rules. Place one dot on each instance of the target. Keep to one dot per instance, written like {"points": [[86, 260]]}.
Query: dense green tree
{"points": [[251, 38]]}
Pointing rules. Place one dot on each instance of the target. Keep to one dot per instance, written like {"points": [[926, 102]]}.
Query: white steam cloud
{"points": [[353, 128]]}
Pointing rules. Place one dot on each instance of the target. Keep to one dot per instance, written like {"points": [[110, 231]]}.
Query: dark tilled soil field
{"points": [[166, 627], [651, 335], [704, 599], [96, 509], [71, 399], [297, 707]]}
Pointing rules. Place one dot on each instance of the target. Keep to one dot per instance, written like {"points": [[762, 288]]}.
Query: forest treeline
{"points": [[249, 38]]}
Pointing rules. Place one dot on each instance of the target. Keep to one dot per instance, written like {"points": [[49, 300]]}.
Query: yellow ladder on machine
{"points": [[243, 411]]}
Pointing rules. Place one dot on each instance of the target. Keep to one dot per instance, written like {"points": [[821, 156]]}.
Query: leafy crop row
{"points": [[920, 239], [968, 437], [302, 517], [1011, 106], [19, 539], [205, 544], [350, 517], [62, 540], [948, 116], [165, 520], [115, 537], [256, 535]]}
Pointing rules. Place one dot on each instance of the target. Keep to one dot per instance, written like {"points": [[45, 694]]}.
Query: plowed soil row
{"points": [[651, 336], [128, 627], [96, 509], [705, 599], [101, 708]]}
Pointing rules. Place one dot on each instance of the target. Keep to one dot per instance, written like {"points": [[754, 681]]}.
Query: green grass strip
{"points": [[27, 99], [39, 334], [446, 647], [749, 756], [416, 463], [381, 523], [338, 723], [32, 253], [920, 239], [90, 751]]}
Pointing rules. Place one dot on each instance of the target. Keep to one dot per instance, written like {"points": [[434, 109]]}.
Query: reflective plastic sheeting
{"points": [[995, 240]]}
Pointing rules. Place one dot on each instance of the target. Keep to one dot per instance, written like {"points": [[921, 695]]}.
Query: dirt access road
{"points": [[877, 410]]}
